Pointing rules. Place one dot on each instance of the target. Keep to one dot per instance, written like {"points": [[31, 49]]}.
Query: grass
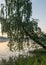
{"points": [[35, 60], [38, 59]]}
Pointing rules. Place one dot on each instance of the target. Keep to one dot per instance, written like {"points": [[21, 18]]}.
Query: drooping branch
{"points": [[18, 12], [35, 39], [32, 36]]}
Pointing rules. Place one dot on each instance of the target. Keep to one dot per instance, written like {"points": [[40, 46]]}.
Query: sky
{"points": [[38, 12]]}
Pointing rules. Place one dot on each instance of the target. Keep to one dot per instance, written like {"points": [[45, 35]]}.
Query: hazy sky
{"points": [[38, 11]]}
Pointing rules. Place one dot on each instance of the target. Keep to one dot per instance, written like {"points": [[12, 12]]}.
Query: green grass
{"points": [[35, 60], [39, 58]]}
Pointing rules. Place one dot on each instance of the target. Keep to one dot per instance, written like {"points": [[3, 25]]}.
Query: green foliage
{"points": [[35, 60], [18, 22], [18, 13]]}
